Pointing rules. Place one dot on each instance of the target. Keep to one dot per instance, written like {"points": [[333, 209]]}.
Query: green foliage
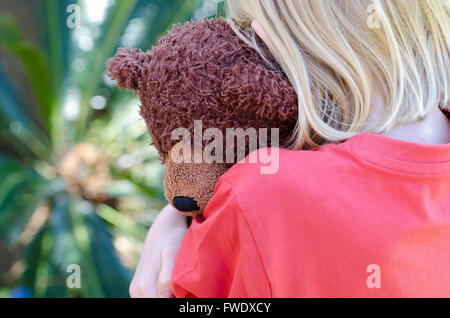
{"points": [[80, 184], [20, 191], [33, 62]]}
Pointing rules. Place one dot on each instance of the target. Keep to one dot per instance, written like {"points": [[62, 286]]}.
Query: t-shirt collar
{"points": [[400, 154]]}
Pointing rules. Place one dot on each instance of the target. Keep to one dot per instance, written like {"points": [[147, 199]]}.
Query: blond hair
{"points": [[336, 52]]}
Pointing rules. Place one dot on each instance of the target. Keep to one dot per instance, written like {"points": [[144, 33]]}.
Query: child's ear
{"points": [[262, 35], [126, 67]]}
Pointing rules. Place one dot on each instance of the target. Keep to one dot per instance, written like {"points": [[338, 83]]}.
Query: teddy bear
{"points": [[203, 76]]}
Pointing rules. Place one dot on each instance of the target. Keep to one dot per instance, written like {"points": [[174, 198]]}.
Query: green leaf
{"points": [[42, 272], [42, 275], [65, 249], [113, 28], [170, 12], [122, 222], [56, 284], [33, 62], [80, 237], [57, 39], [92, 286], [16, 126], [114, 277], [32, 257], [20, 192]]}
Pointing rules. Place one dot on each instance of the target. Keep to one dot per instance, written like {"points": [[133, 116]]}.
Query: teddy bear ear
{"points": [[126, 67]]}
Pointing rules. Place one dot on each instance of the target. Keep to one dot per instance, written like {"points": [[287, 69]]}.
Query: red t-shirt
{"points": [[366, 218]]}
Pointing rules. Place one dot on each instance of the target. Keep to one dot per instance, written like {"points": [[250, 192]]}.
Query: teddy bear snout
{"points": [[184, 204]]}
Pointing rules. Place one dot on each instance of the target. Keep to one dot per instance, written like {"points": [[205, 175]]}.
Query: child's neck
{"points": [[432, 130]]}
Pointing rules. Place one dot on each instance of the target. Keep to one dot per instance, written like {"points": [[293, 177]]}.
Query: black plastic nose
{"points": [[184, 204]]}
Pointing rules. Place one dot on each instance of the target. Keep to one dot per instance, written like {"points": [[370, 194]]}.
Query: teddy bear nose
{"points": [[185, 204]]}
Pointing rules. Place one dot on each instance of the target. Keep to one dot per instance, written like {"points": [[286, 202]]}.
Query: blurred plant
{"points": [[80, 185]]}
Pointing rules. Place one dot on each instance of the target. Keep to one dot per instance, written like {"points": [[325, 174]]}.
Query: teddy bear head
{"points": [[203, 73]]}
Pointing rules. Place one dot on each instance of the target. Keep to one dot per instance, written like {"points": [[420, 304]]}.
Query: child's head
{"points": [[338, 53]]}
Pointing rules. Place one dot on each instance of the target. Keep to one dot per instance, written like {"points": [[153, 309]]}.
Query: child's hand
{"points": [[154, 272]]}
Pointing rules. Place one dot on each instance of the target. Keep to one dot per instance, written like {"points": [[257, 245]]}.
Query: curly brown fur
{"points": [[203, 71], [126, 67]]}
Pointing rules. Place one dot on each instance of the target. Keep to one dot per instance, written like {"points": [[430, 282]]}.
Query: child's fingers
{"points": [[168, 258], [153, 273], [144, 283]]}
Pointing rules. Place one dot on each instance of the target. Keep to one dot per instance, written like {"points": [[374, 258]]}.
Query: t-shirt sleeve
{"points": [[219, 257]]}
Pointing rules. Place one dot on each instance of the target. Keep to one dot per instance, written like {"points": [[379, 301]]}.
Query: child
{"points": [[364, 214]]}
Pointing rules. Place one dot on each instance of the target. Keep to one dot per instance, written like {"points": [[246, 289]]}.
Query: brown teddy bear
{"points": [[202, 72]]}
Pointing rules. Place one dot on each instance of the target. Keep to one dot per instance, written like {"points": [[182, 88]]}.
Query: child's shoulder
{"points": [[273, 166], [277, 179]]}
